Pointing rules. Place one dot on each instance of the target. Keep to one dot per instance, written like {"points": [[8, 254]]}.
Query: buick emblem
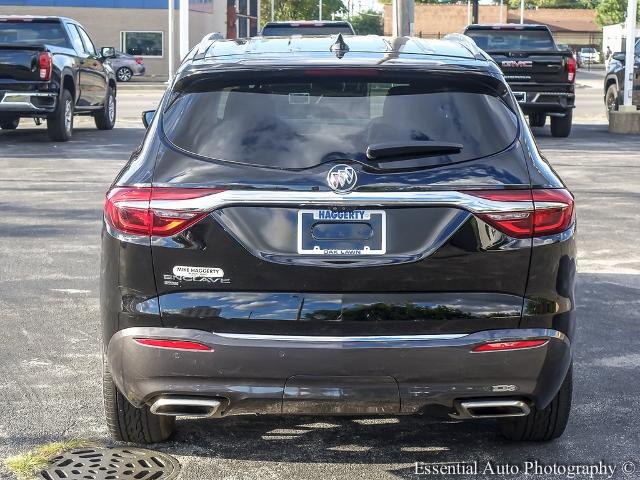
{"points": [[342, 178]]}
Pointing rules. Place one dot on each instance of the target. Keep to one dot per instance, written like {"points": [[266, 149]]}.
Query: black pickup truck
{"points": [[50, 70], [541, 75], [614, 80]]}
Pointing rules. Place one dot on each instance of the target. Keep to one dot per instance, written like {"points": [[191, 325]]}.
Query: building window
{"points": [[146, 44]]}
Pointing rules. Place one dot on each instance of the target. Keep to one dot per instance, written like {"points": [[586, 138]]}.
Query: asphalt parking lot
{"points": [[50, 386]]}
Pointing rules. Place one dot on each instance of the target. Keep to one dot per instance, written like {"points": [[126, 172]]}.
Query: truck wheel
{"points": [[10, 124], [545, 424], [127, 423], [106, 117], [561, 126], [60, 123], [537, 119], [611, 99], [124, 74]]}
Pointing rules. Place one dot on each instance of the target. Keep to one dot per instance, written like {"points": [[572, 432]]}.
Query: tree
{"points": [[301, 9], [610, 12], [368, 22]]}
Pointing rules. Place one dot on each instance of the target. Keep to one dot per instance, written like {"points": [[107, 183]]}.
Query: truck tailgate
{"points": [[539, 67], [20, 62]]}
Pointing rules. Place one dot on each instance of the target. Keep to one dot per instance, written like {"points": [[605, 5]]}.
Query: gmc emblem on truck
{"points": [[517, 63]]}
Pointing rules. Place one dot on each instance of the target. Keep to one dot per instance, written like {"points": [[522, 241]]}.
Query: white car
{"points": [[588, 55]]}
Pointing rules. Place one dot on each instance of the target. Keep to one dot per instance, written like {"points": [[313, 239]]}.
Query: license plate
{"points": [[342, 233], [520, 96]]}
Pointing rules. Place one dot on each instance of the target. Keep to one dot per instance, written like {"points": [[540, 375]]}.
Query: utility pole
{"points": [[521, 12], [475, 15], [184, 28], [273, 10], [320, 10], [170, 54], [632, 8], [401, 18], [501, 17]]}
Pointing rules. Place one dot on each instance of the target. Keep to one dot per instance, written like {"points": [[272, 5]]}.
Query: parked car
{"points": [[614, 80], [541, 76], [127, 66], [302, 238], [587, 56], [325, 27], [50, 70]]}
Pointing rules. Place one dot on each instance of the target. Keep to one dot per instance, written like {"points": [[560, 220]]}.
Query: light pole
{"points": [[170, 40], [632, 8], [273, 10], [521, 12], [320, 10], [184, 28]]}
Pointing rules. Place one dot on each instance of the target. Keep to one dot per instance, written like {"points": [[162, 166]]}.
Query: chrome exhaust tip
{"points": [[493, 409], [185, 407]]}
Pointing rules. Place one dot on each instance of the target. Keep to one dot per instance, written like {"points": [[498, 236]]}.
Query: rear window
{"points": [[514, 40], [297, 122], [20, 31], [287, 30]]}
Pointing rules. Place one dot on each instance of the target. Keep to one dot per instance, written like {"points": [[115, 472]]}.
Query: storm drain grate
{"points": [[111, 464]]}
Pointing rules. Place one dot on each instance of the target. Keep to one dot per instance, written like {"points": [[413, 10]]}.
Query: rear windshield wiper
{"points": [[393, 151]]}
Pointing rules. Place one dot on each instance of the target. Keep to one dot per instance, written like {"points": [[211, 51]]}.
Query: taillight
{"points": [[139, 60], [45, 62], [513, 345], [548, 211], [129, 210], [571, 69]]}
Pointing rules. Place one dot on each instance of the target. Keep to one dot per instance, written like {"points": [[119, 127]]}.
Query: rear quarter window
{"points": [[300, 122]]}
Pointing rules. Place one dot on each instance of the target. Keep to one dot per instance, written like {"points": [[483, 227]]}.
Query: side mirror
{"points": [[147, 117], [108, 52], [619, 56]]}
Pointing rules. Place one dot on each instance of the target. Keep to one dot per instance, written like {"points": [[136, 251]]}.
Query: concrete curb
{"points": [[143, 86], [624, 122]]}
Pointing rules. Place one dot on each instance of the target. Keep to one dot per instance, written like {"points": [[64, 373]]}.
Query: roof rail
{"points": [[467, 42]]}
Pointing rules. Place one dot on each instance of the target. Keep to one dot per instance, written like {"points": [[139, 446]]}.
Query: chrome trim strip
{"points": [[332, 339], [370, 199]]}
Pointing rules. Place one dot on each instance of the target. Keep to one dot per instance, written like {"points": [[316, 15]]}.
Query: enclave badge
{"points": [[342, 178]]}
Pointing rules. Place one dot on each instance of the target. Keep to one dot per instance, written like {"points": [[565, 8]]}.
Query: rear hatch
{"points": [[524, 55], [339, 201]]}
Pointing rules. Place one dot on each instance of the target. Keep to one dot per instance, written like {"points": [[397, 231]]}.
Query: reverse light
{"points": [[551, 211], [515, 345], [571, 69], [129, 210], [45, 62], [173, 344]]}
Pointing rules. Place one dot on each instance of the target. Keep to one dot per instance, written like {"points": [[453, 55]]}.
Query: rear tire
{"points": [[60, 123], [561, 126], [127, 423], [10, 124], [537, 119], [106, 118], [542, 425]]}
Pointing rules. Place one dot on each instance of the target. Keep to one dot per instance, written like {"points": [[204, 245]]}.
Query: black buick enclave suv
{"points": [[331, 225]]}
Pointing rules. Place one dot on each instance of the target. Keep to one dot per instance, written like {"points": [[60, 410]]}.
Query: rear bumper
{"points": [[544, 98], [352, 375], [28, 102]]}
